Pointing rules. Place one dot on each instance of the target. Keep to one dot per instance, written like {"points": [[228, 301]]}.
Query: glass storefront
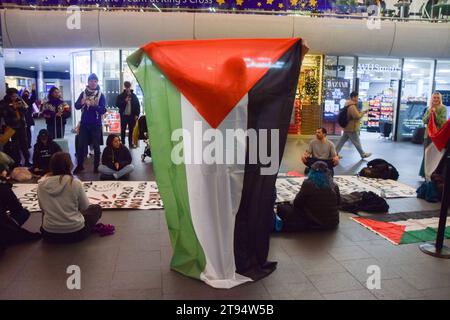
{"points": [[442, 82], [378, 81], [338, 83], [415, 95]]}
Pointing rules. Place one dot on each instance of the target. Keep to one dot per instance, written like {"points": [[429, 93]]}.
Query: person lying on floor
{"points": [[12, 214], [67, 214], [316, 205], [116, 159], [44, 149]]}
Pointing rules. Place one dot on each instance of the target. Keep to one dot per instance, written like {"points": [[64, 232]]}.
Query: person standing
{"points": [[92, 104], [13, 109], [55, 112], [440, 118], [129, 109], [29, 100], [351, 131]]}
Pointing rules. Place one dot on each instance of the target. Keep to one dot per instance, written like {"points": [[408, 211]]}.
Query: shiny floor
{"points": [[134, 262]]}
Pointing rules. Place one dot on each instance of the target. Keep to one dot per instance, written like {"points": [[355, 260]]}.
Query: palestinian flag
{"points": [[404, 228], [434, 145], [218, 200]]}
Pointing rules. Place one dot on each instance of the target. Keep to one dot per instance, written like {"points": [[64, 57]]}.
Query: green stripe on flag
{"points": [[428, 234], [162, 103]]}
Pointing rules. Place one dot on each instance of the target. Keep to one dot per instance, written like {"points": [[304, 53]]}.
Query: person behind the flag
{"points": [[320, 149], [92, 104], [440, 118], [316, 206], [67, 214], [116, 159], [129, 109]]}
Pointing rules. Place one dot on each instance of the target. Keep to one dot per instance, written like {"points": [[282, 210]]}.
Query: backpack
{"points": [[381, 169], [363, 201], [342, 117], [428, 191]]}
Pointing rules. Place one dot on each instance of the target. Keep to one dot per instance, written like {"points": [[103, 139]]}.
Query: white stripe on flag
{"points": [[215, 192]]}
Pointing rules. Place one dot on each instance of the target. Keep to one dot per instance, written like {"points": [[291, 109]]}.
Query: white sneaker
{"points": [[115, 176], [366, 155]]}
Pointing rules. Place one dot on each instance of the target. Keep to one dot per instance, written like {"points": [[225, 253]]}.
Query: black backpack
{"points": [[363, 201], [342, 117], [381, 169]]}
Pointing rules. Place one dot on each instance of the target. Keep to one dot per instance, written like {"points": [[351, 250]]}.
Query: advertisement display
{"points": [[337, 91]]}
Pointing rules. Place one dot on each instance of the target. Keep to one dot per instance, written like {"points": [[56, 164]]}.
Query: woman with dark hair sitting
{"points": [[67, 214], [44, 149], [316, 205], [116, 159]]}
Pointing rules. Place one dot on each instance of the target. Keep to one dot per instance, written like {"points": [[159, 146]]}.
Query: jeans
{"points": [[354, 138], [131, 122], [118, 173], [89, 134]]}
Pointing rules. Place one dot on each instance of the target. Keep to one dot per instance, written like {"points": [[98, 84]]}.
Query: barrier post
{"points": [[439, 249]]}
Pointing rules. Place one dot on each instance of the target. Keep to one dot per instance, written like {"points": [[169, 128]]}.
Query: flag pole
{"points": [[439, 249]]}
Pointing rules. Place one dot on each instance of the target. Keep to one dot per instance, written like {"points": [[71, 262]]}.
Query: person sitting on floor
{"points": [[116, 159], [67, 214], [44, 149], [320, 149], [316, 205], [12, 214]]}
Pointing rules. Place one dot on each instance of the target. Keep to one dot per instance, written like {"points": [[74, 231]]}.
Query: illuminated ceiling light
{"points": [[31, 67]]}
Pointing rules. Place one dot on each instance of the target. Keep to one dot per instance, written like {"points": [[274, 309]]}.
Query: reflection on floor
{"points": [[134, 263]]}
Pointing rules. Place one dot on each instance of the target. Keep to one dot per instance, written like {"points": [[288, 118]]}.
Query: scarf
{"points": [[54, 105], [93, 95]]}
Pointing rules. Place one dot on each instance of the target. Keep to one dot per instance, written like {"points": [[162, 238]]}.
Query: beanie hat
{"points": [[93, 76]]}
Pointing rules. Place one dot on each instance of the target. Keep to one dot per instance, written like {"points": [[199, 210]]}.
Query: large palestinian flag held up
{"points": [[214, 108]]}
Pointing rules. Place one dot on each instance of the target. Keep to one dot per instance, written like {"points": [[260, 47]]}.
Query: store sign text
{"points": [[377, 67]]}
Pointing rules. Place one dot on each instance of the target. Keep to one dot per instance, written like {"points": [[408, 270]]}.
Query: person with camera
{"points": [[129, 109], [13, 110]]}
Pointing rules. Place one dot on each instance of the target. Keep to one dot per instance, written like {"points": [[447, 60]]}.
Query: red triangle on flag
{"points": [[214, 75], [391, 231]]}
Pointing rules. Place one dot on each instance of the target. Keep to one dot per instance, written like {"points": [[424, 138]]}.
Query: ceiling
{"points": [[39, 59]]}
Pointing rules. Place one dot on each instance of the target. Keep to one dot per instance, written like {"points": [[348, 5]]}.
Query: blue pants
{"points": [[89, 135], [115, 173]]}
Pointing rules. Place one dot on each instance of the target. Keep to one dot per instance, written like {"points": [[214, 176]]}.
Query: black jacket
{"points": [[29, 114], [122, 104], [319, 205], [8, 200], [12, 119], [111, 155], [42, 153]]}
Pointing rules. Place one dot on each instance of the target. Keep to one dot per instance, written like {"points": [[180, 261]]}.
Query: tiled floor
{"points": [[134, 262]]}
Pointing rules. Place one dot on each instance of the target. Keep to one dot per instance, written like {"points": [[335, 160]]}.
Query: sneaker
{"points": [[115, 176], [366, 155], [77, 170]]}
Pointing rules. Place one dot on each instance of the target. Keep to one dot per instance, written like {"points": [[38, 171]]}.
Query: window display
{"points": [[442, 82], [415, 95]]}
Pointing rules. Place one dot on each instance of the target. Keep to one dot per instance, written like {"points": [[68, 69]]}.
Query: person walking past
{"points": [[351, 130]]}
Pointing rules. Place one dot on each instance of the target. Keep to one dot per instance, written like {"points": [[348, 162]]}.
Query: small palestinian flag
{"points": [[218, 113], [404, 228]]}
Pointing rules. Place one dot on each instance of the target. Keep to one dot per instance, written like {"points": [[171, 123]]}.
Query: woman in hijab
{"points": [[316, 205]]}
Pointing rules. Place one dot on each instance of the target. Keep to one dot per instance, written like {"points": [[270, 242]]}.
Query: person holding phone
{"points": [[129, 109]]}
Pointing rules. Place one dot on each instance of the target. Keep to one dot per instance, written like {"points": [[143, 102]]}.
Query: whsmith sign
{"points": [[267, 5]]}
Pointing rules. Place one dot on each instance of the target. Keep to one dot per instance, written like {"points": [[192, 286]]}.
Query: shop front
{"points": [[112, 70]]}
